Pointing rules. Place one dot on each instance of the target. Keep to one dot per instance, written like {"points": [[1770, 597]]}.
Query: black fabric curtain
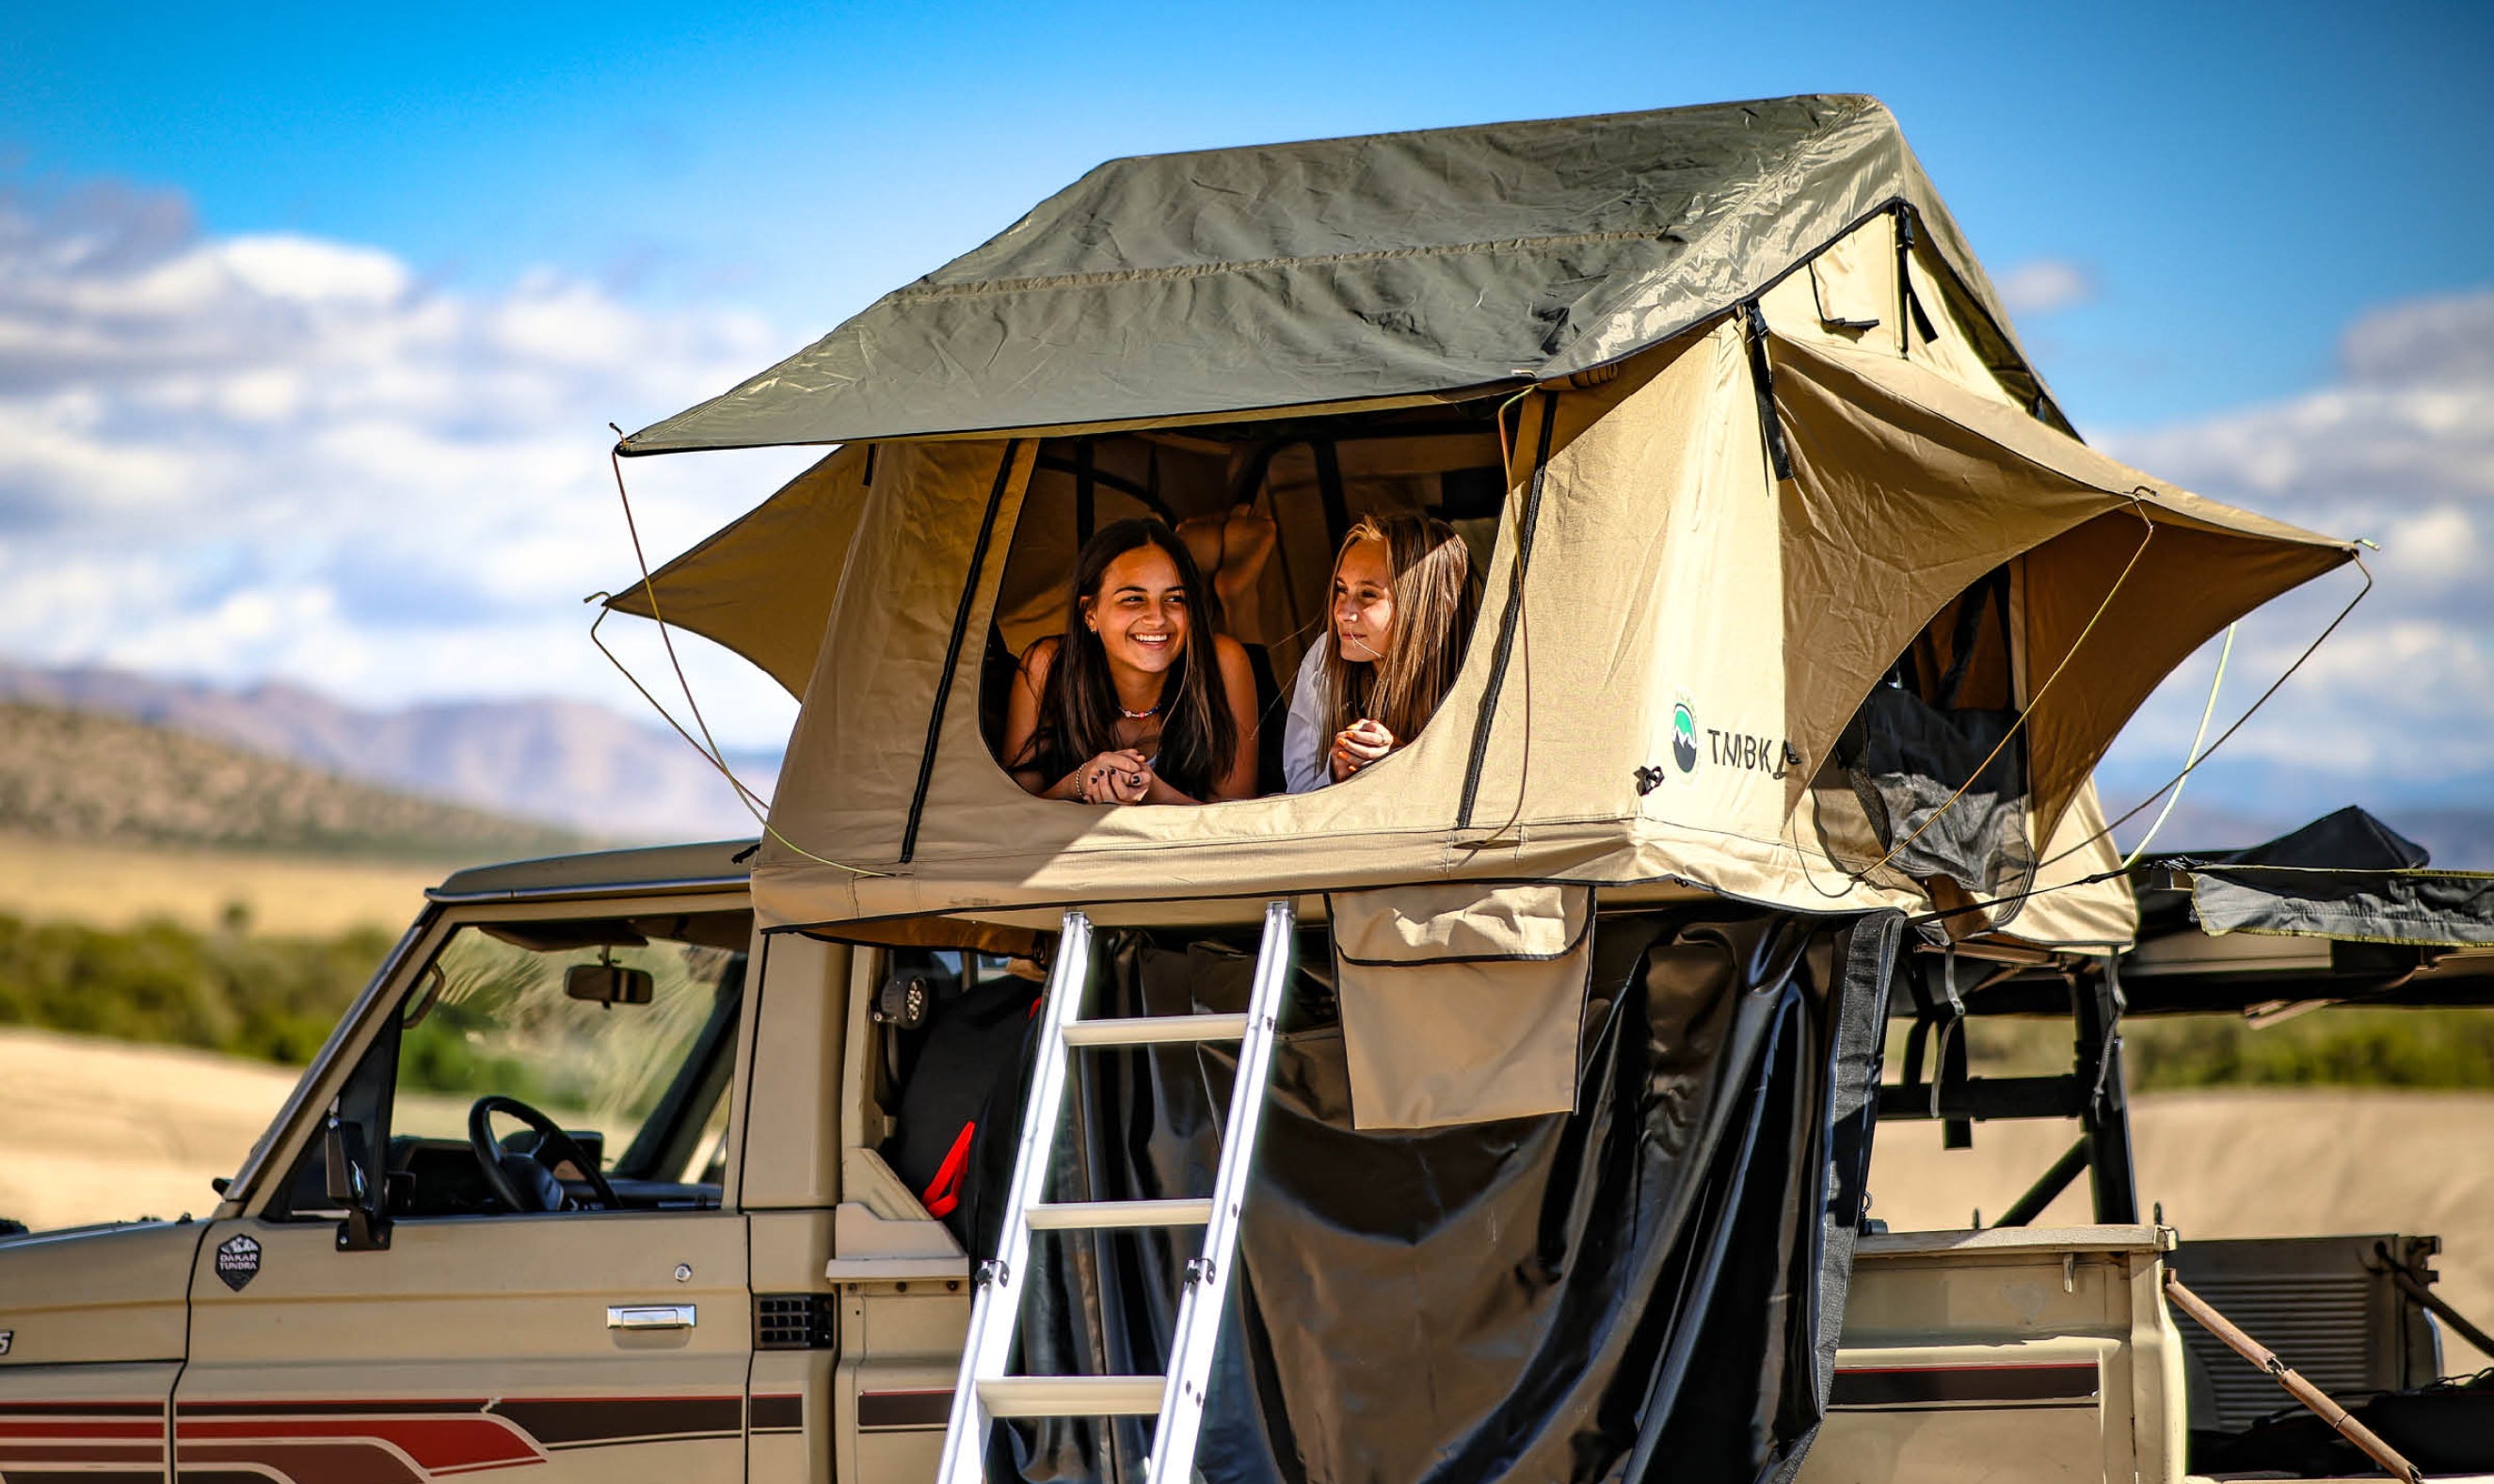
{"points": [[1647, 1288]]}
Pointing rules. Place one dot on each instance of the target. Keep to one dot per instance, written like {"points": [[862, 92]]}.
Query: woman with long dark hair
{"points": [[1140, 701], [1402, 605]]}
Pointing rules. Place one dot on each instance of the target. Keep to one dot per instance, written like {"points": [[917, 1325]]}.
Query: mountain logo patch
{"points": [[1684, 735], [239, 1261]]}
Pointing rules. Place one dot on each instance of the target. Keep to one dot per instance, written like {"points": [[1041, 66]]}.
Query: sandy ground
{"points": [[2249, 1164], [111, 886], [98, 1130], [95, 1130]]}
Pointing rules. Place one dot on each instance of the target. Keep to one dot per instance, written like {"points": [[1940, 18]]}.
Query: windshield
{"points": [[492, 1013]]}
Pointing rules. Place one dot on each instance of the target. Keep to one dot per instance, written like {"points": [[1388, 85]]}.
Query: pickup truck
{"points": [[591, 1183]]}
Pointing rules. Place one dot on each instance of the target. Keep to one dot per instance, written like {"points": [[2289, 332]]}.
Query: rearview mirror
{"points": [[608, 984]]}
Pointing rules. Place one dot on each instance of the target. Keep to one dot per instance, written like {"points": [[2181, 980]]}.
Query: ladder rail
{"points": [[996, 1300], [1200, 1306], [983, 1392]]}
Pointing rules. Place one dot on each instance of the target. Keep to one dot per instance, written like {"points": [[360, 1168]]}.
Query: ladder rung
{"points": [[1096, 1214], [1072, 1396], [1155, 1030]]}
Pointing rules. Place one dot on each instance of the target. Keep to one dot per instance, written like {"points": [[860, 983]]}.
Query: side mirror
{"points": [[608, 984], [351, 1183]]}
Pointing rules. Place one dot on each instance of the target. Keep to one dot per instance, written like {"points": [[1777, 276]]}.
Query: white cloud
{"points": [[2046, 285], [277, 456], [2399, 447], [310, 271]]}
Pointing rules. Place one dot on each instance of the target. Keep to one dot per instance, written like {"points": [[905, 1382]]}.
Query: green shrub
{"points": [[273, 999], [2332, 1047]]}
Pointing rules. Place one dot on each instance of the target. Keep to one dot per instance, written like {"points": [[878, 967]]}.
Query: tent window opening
{"points": [[1930, 779], [1407, 502]]}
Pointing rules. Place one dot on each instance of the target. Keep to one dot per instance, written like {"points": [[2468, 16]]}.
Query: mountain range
{"points": [[70, 775], [563, 763]]}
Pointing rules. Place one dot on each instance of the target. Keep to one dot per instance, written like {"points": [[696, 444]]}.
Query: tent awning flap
{"points": [[1908, 487], [762, 586], [1194, 286]]}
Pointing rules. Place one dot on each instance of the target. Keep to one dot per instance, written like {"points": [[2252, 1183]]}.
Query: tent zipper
{"points": [[1508, 619], [952, 650]]}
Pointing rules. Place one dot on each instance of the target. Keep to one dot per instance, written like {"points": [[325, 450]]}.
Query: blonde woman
{"points": [[1401, 607]]}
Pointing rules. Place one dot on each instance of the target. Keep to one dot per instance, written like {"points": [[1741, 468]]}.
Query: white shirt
{"points": [[1304, 742]]}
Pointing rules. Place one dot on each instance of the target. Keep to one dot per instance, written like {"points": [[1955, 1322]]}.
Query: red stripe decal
{"points": [[81, 1427], [431, 1443]]}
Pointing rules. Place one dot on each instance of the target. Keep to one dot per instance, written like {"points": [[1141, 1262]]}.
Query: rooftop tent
{"points": [[1750, 426]]}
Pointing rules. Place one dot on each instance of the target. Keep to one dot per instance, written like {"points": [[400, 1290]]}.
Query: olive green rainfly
{"points": [[1190, 287]]}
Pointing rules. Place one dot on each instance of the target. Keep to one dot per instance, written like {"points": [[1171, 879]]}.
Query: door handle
{"points": [[650, 1316]]}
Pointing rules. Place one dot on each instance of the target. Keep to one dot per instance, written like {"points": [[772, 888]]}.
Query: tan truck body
{"points": [[821, 1308]]}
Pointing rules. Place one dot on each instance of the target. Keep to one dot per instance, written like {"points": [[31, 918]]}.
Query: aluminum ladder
{"points": [[983, 1392]]}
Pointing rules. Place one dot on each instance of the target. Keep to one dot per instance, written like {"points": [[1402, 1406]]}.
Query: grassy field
{"points": [[110, 823]]}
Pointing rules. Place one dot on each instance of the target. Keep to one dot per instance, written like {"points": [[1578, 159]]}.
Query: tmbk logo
{"points": [[1683, 735]]}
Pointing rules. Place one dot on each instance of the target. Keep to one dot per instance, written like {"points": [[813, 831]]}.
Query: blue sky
{"points": [[2238, 180], [311, 320]]}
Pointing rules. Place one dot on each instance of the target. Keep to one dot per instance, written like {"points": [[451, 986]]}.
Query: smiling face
{"points": [[1363, 602], [1140, 612]]}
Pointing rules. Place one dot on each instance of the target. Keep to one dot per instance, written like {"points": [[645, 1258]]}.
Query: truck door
{"points": [[509, 1245]]}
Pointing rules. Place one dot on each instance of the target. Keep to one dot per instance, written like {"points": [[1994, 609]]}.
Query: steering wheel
{"points": [[554, 1147]]}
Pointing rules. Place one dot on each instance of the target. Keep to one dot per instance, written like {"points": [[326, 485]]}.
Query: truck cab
{"points": [[505, 1220]]}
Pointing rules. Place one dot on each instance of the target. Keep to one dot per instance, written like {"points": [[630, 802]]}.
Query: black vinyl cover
{"points": [[1650, 1288], [2346, 876]]}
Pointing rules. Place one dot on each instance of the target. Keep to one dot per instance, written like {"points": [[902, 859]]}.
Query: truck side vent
{"points": [[795, 1321]]}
